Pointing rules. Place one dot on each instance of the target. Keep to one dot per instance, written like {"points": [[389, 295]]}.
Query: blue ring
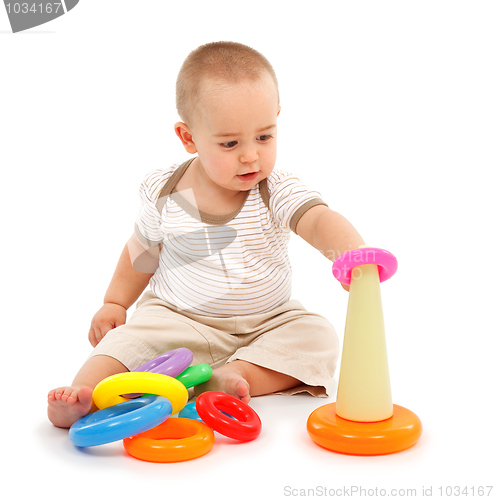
{"points": [[189, 411], [120, 421]]}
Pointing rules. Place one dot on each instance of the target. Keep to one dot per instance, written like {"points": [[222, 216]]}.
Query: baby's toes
{"points": [[70, 395], [59, 393], [85, 396]]}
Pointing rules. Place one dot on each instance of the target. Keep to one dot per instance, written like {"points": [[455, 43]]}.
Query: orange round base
{"points": [[392, 435]]}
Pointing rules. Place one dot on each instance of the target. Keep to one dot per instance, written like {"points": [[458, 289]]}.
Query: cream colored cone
{"points": [[364, 390]]}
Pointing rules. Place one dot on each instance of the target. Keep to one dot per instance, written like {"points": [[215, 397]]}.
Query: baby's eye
{"points": [[228, 145], [264, 138]]}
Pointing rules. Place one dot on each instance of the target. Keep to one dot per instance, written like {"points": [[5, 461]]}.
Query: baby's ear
{"points": [[185, 135]]}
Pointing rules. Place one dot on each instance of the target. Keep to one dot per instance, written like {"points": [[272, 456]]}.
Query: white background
{"points": [[387, 110]]}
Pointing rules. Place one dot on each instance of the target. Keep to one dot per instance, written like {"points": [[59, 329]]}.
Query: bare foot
{"points": [[66, 405], [226, 379]]}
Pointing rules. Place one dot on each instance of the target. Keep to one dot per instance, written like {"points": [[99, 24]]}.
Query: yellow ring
{"points": [[108, 391]]}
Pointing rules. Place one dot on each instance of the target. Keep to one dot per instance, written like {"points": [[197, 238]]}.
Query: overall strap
{"points": [[175, 177], [263, 189], [170, 184]]}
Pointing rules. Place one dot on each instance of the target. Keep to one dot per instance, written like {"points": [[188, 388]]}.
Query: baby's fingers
{"points": [[95, 335], [98, 332], [92, 337]]}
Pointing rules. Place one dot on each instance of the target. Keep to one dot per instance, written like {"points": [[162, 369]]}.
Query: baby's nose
{"points": [[249, 155]]}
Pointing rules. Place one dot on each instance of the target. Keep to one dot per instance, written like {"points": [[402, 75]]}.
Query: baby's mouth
{"points": [[248, 177]]}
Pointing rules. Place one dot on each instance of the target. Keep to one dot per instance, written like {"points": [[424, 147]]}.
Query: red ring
{"points": [[210, 407]]}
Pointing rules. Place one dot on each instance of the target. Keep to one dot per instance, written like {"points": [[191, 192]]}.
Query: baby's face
{"points": [[235, 133]]}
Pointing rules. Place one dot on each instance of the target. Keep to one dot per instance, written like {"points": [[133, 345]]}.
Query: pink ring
{"points": [[385, 261]]}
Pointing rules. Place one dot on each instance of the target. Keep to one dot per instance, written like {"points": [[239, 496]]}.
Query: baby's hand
{"points": [[107, 318]]}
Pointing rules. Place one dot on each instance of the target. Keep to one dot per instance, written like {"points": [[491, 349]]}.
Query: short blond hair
{"points": [[230, 62]]}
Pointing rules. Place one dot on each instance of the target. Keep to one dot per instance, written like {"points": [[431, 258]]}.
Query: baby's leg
{"points": [[66, 405], [244, 380]]}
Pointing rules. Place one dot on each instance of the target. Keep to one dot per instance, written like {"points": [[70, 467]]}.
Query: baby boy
{"points": [[210, 241]]}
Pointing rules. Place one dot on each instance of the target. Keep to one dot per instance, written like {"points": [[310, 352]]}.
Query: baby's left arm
{"points": [[328, 231]]}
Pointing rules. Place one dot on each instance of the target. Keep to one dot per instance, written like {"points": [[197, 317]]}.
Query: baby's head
{"points": [[214, 67], [227, 97]]}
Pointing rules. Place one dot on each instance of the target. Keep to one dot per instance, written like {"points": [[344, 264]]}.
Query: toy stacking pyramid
{"points": [[364, 389], [364, 421]]}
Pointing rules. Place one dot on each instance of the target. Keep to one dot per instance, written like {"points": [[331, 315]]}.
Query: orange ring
{"points": [[175, 440], [397, 433]]}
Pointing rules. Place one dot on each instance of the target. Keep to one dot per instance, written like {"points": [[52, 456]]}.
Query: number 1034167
{"points": [[465, 491], [34, 8]]}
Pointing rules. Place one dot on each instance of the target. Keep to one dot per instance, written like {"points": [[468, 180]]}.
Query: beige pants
{"points": [[288, 340]]}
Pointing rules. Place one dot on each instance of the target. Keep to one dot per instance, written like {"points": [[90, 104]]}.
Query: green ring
{"points": [[195, 375]]}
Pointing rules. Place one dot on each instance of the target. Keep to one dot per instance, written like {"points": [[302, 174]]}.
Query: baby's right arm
{"points": [[126, 286]]}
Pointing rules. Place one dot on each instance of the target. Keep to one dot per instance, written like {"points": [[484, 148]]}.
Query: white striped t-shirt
{"points": [[222, 265]]}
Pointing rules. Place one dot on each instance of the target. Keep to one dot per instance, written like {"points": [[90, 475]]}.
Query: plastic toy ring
{"points": [[190, 411], [385, 261], [212, 406], [120, 421], [170, 363], [107, 392], [176, 440], [195, 375]]}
